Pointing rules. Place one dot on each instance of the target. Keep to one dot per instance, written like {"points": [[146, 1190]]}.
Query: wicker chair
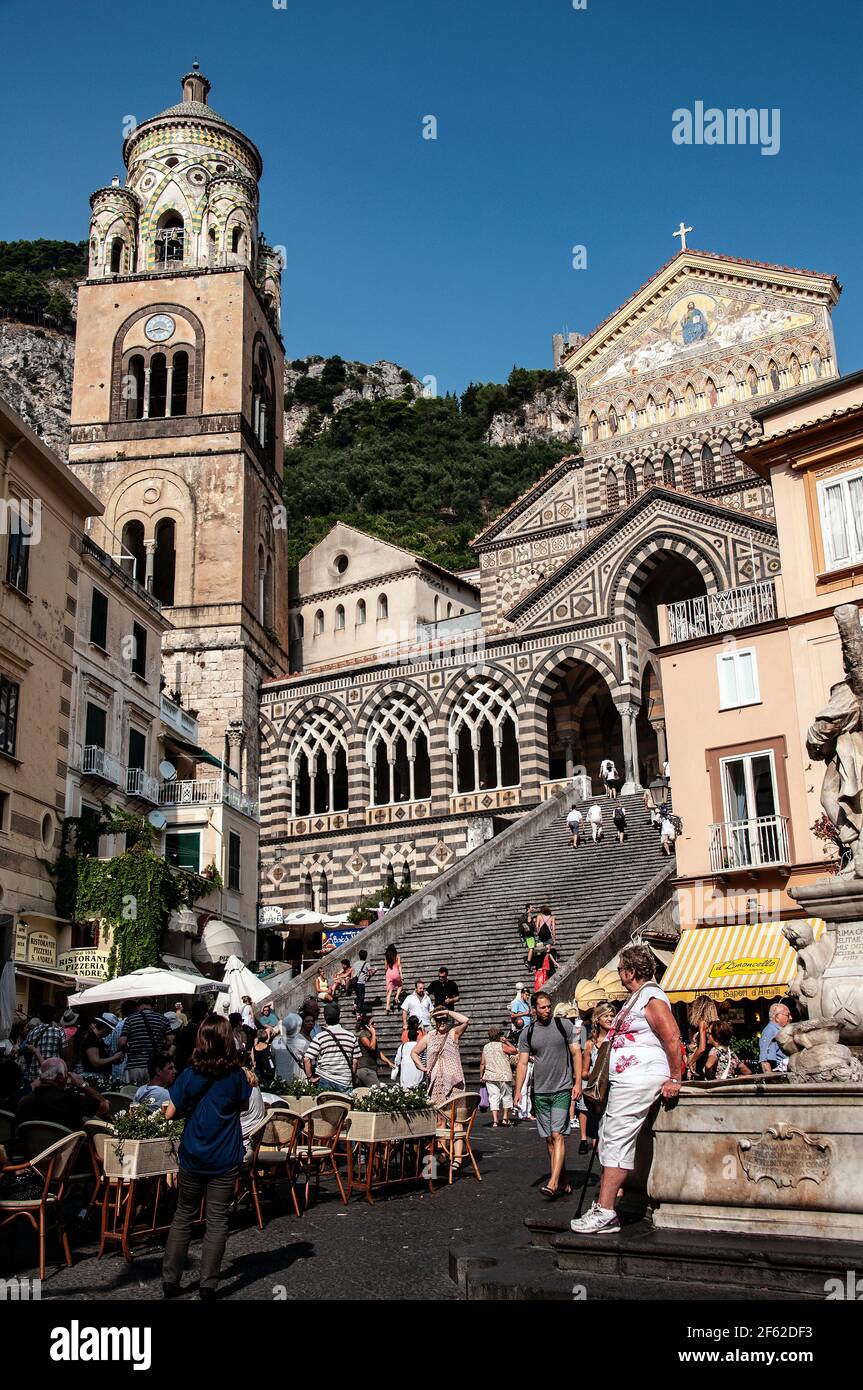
{"points": [[117, 1101], [35, 1136], [323, 1127], [52, 1168], [274, 1158], [457, 1114]]}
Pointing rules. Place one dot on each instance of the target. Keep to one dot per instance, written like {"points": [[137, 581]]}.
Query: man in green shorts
{"points": [[554, 1047]]}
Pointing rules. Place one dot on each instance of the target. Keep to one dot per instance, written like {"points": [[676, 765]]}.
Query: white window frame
{"points": [[842, 481], [747, 760], [732, 659]]}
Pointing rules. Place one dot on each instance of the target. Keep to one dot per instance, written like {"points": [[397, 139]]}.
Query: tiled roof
{"points": [[715, 255], [764, 442]]}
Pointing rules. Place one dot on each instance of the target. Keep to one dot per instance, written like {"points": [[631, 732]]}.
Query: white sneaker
{"points": [[595, 1222]]}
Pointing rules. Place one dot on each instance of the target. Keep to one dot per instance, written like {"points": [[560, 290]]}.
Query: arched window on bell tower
{"points": [[117, 256], [165, 561], [170, 239], [134, 555], [132, 387]]}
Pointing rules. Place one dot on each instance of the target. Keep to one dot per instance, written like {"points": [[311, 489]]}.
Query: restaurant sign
{"points": [[89, 964]]}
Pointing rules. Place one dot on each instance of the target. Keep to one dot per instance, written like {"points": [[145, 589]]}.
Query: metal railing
{"points": [[722, 612], [749, 844], [209, 791], [95, 762], [139, 784], [178, 719]]}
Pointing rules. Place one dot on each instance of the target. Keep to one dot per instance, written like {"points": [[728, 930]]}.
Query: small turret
{"points": [[196, 86]]}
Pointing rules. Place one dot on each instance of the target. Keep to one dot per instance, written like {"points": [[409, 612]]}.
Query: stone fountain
{"points": [[782, 1155]]}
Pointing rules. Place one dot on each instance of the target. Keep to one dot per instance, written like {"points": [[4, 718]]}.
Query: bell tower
{"points": [[176, 410]]}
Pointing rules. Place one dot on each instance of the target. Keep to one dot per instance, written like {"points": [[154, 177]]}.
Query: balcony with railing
{"points": [[178, 719], [102, 766], [209, 791], [726, 611], [142, 787], [759, 843]]}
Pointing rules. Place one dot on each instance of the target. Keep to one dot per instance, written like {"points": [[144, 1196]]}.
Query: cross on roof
{"points": [[681, 232]]}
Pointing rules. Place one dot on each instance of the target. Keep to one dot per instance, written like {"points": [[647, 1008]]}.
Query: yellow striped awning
{"points": [[749, 960]]}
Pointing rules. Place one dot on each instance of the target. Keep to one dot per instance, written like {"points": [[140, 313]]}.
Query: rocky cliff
{"points": [[36, 379], [550, 417]]}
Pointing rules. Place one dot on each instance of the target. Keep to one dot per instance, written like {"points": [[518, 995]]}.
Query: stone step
{"points": [[799, 1268]]}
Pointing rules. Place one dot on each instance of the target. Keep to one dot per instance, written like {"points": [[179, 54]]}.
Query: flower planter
{"points": [[298, 1104], [140, 1158], [380, 1126]]}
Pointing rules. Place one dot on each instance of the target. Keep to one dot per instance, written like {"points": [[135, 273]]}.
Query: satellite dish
{"points": [[158, 820], [167, 771]]}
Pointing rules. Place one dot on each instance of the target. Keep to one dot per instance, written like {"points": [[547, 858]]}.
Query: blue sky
{"points": [[453, 256]]}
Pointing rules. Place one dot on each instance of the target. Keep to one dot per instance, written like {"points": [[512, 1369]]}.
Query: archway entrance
{"points": [[665, 577], [583, 725]]}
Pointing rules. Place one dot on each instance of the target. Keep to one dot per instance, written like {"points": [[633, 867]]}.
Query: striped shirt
{"points": [[333, 1054], [146, 1032]]}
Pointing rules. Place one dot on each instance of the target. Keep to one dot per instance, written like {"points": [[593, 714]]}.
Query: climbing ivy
{"points": [[135, 891]]}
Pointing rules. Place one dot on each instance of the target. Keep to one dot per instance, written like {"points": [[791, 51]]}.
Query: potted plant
{"points": [[391, 1112], [301, 1092], [144, 1144]]}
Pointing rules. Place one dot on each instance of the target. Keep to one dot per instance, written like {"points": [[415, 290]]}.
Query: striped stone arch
{"points": [[383, 692], [544, 677], [485, 670], [534, 737], [308, 706], [642, 560]]}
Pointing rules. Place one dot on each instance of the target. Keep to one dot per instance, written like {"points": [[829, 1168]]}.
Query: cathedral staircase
{"points": [[474, 933]]}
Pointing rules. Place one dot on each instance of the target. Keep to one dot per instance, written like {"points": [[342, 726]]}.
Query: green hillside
{"points": [[419, 474], [28, 272]]}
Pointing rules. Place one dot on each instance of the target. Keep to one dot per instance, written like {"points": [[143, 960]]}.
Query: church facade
{"points": [[386, 764]]}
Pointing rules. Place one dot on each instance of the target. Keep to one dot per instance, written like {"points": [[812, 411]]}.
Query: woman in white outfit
{"points": [[646, 1062], [594, 817]]}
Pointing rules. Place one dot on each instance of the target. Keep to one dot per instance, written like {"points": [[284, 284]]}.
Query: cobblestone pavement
{"points": [[395, 1249]]}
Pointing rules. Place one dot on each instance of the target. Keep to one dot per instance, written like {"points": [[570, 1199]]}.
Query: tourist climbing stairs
{"points": [[476, 935]]}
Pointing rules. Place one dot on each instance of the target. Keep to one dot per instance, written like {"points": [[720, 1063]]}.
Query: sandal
{"points": [[552, 1193]]}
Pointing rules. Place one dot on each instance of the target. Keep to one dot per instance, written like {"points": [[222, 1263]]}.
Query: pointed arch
{"points": [[687, 471], [689, 398], [651, 410], [752, 381], [648, 474], [483, 738], [711, 394], [631, 415], [773, 374], [668, 475], [708, 468], [630, 484], [727, 463], [670, 405], [612, 421], [612, 496], [730, 388], [795, 370], [594, 426], [398, 751], [815, 364], [318, 765]]}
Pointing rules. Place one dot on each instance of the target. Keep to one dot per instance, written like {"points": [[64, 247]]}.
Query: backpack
{"points": [[561, 1030]]}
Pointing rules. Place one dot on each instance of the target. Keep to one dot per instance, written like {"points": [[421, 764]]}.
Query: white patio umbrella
{"points": [[140, 984], [240, 981]]}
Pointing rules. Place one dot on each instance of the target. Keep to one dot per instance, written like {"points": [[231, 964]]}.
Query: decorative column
{"points": [[235, 734], [150, 550], [628, 714], [658, 727]]}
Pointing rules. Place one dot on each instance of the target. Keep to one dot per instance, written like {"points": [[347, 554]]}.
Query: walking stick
{"points": [[586, 1180]]}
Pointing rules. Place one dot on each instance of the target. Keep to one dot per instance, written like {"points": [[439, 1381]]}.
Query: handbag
{"points": [[595, 1090], [483, 1097]]}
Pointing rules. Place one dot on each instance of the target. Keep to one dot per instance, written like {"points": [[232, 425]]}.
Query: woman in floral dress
{"points": [[438, 1055]]}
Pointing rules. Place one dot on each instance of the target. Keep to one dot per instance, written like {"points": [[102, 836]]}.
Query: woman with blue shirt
{"points": [[210, 1095]]}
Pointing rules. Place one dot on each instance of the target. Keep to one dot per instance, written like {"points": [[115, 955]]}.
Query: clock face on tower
{"points": [[159, 328]]}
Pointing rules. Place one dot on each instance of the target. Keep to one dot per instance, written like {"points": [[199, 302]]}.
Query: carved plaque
{"points": [[848, 950], [786, 1156]]}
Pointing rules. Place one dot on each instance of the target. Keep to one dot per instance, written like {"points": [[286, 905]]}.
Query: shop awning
{"points": [[196, 751], [749, 960]]}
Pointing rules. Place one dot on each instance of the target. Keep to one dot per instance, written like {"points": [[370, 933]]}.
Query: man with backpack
{"points": [[553, 1046]]}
